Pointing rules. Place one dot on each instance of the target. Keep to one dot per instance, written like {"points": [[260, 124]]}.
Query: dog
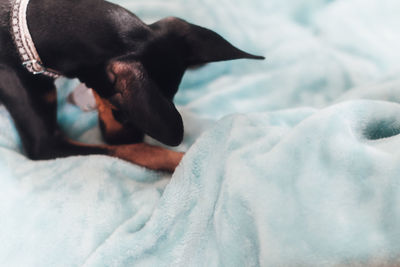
{"points": [[133, 68]]}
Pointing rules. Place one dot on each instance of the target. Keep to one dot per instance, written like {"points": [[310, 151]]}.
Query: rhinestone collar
{"points": [[24, 43]]}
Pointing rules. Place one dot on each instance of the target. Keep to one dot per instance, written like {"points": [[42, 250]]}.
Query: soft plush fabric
{"points": [[293, 161]]}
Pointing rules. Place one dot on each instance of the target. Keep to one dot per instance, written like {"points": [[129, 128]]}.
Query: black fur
{"points": [[137, 67]]}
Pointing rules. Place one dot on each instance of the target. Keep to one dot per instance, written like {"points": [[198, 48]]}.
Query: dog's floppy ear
{"points": [[200, 45], [139, 98]]}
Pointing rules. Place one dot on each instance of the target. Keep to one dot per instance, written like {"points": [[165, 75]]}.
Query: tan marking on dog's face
{"points": [[111, 127], [123, 75]]}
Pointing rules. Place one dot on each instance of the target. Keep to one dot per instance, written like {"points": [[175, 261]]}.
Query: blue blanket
{"points": [[293, 161]]}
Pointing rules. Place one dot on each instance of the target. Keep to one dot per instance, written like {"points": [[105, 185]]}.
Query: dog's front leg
{"points": [[152, 157], [145, 155]]}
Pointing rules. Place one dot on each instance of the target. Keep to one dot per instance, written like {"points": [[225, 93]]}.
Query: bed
{"points": [[292, 161]]}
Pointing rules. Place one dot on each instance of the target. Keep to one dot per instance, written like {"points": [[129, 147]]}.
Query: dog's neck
{"points": [[24, 43]]}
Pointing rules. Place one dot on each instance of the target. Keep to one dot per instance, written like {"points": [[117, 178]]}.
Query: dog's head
{"points": [[145, 80]]}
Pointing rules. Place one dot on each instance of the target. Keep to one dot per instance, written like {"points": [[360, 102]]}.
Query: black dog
{"points": [[135, 70]]}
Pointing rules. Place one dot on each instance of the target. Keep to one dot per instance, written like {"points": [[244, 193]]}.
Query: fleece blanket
{"points": [[294, 161]]}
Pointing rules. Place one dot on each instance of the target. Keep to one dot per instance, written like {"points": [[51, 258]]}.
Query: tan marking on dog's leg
{"points": [[145, 155], [151, 157]]}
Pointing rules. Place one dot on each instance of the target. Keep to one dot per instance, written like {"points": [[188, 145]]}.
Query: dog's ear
{"points": [[200, 45], [140, 99]]}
